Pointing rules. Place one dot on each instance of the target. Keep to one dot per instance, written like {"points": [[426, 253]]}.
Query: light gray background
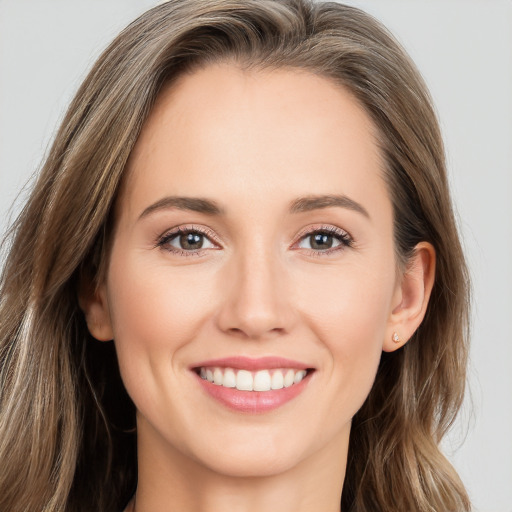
{"points": [[464, 50]]}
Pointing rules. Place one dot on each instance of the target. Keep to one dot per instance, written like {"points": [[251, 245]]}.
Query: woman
{"points": [[250, 199]]}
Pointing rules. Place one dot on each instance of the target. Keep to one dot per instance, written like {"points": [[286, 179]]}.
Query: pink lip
{"points": [[250, 364], [252, 401]]}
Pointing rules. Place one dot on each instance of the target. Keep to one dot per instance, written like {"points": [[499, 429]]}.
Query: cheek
{"points": [[349, 304], [154, 312], [349, 315]]}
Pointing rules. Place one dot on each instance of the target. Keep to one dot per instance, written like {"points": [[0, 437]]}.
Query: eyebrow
{"points": [[195, 204], [299, 205], [308, 203]]}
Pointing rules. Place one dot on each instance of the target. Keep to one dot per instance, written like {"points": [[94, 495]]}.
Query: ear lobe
{"points": [[93, 302], [411, 297]]}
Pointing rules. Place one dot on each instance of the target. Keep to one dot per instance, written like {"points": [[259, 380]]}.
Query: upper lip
{"points": [[252, 364]]}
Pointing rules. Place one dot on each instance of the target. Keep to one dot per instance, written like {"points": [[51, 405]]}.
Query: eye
{"points": [[325, 240], [186, 241], [191, 241]]}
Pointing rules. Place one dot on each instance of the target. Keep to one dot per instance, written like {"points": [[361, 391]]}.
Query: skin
{"points": [[253, 142]]}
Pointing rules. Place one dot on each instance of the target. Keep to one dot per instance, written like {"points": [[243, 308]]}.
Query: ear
{"points": [[93, 302], [411, 297]]}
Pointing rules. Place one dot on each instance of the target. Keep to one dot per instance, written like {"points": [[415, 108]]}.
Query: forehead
{"points": [[267, 133]]}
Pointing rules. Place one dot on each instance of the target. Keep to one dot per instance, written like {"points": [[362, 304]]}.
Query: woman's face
{"points": [[253, 246]]}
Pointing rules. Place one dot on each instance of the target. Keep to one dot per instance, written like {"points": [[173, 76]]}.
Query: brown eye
{"points": [[191, 241], [323, 240], [186, 241]]}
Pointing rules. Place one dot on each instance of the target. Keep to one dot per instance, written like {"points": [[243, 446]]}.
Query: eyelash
{"points": [[164, 240], [342, 236]]}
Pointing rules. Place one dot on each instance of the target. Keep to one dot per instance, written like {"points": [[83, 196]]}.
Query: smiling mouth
{"points": [[245, 380]]}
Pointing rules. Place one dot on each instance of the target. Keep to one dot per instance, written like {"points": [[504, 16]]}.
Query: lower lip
{"points": [[253, 401]]}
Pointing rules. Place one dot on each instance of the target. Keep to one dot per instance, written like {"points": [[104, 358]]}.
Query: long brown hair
{"points": [[67, 437]]}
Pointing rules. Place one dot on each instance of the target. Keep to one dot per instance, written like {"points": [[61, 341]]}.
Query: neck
{"points": [[171, 481]]}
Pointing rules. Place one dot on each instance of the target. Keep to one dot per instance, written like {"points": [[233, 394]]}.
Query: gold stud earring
{"points": [[395, 337]]}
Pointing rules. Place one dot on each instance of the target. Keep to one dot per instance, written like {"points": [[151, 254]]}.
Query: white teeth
{"points": [[229, 379], [218, 377], [262, 381], [289, 378], [277, 380], [299, 376], [244, 380]]}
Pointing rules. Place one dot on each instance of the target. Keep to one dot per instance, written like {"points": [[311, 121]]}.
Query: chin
{"points": [[256, 453], [245, 464]]}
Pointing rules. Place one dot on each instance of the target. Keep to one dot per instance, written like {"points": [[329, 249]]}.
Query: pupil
{"points": [[321, 241], [191, 241]]}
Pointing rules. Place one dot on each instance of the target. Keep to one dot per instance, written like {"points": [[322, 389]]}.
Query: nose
{"points": [[257, 302]]}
